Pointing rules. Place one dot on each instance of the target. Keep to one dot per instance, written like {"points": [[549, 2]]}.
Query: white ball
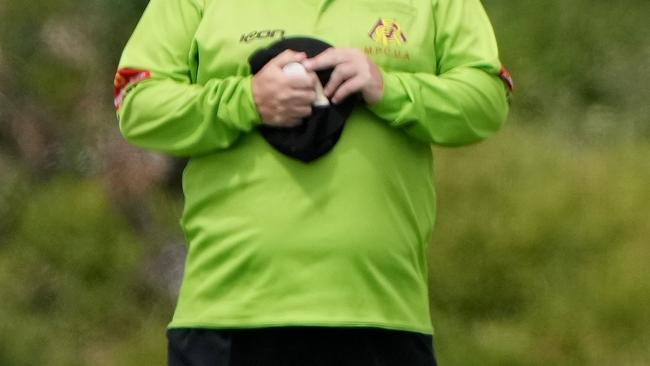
{"points": [[294, 69]]}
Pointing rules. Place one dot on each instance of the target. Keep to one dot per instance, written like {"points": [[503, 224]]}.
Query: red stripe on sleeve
{"points": [[124, 78], [507, 79]]}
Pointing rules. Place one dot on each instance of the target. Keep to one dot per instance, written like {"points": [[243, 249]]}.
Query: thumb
{"points": [[287, 57]]}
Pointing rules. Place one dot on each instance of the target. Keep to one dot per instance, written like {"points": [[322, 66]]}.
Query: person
{"points": [[321, 263]]}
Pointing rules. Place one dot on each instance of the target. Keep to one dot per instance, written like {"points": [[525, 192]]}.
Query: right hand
{"points": [[281, 100]]}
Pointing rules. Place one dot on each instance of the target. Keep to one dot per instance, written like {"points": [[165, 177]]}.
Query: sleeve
{"points": [[465, 101], [159, 105]]}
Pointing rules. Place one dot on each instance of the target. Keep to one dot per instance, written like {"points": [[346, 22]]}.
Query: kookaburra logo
{"points": [[263, 34]]}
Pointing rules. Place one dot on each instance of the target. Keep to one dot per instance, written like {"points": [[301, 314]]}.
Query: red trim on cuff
{"points": [[124, 78], [507, 79]]}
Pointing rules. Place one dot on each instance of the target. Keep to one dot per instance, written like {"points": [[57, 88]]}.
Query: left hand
{"points": [[353, 72]]}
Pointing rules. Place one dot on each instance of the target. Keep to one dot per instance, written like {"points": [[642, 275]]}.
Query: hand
{"points": [[353, 72], [283, 100]]}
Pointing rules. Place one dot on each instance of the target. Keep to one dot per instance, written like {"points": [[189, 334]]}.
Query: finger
{"points": [[300, 112], [351, 86], [287, 57], [303, 97], [314, 77], [325, 60], [307, 82], [321, 99], [340, 74]]}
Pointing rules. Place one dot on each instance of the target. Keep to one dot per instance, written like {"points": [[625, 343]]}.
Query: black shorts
{"points": [[299, 346]]}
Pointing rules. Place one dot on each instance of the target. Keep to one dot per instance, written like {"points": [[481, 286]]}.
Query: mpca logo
{"points": [[387, 31]]}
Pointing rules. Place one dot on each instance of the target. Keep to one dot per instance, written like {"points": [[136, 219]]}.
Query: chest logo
{"points": [[387, 31], [261, 34]]}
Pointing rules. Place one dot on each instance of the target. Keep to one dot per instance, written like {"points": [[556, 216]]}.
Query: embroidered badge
{"points": [[124, 78], [387, 31], [507, 79]]}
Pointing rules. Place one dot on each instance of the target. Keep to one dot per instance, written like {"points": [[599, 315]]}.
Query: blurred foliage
{"points": [[71, 271], [541, 251], [541, 244], [580, 66]]}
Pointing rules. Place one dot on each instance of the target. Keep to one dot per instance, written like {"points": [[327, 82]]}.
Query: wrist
{"points": [[374, 92], [253, 93], [392, 97]]}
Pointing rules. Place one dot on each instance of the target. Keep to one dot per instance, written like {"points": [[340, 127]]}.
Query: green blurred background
{"points": [[541, 250]]}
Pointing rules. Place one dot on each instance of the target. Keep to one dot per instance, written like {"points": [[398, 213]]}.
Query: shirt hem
{"points": [[352, 324]]}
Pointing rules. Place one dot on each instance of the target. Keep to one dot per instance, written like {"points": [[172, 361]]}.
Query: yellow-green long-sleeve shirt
{"points": [[337, 242]]}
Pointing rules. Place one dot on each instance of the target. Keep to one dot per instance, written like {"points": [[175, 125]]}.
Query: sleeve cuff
{"points": [[249, 107]]}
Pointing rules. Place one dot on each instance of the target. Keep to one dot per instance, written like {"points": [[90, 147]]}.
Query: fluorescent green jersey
{"points": [[337, 242]]}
